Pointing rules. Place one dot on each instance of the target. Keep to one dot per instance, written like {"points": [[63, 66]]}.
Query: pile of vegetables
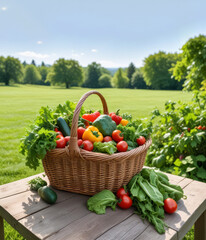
{"points": [[96, 132], [150, 193]]}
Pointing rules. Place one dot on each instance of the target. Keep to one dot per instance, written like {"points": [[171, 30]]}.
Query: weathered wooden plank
{"points": [[1, 228], [189, 210], [92, 225], [19, 186], [200, 227], [16, 225], [52, 219], [26, 203], [150, 233], [128, 229]]}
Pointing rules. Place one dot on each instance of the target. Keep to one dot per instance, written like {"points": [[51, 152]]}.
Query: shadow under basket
{"points": [[76, 170]]}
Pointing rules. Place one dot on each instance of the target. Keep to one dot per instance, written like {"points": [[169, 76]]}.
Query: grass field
{"points": [[20, 105]]}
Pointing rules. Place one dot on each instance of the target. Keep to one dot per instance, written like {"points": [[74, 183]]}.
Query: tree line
{"points": [[164, 71]]}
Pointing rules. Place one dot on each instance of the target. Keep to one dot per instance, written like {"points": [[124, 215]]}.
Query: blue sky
{"points": [[110, 32]]}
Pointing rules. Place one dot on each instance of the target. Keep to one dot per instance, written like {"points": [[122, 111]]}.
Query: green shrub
{"points": [[179, 138]]}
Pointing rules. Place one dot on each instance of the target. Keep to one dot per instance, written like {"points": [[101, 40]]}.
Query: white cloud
{"points": [[94, 50], [4, 8], [39, 42], [82, 54], [33, 54]]}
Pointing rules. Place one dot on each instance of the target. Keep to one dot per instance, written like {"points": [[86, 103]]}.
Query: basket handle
{"points": [[73, 147]]}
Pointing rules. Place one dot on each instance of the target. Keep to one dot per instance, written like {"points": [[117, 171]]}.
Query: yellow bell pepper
{"points": [[92, 134], [124, 122]]}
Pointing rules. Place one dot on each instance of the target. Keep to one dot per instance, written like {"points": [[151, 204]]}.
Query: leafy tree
{"points": [[24, 63], [156, 70], [93, 74], [105, 81], [43, 64], [33, 62], [138, 80], [120, 80], [10, 69], [105, 71], [31, 75], [64, 71], [43, 70], [192, 66], [130, 71]]}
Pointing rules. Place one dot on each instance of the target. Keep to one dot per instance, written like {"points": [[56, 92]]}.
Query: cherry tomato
{"points": [[199, 127], [141, 140], [79, 142], [67, 138], [122, 146], [126, 202], [170, 206], [117, 136], [107, 139], [80, 132], [188, 129], [56, 130], [61, 143], [87, 145], [121, 191], [203, 128]]}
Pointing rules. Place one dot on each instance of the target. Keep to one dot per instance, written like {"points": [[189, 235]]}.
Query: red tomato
{"points": [[170, 206], [122, 146], [199, 127], [117, 136], [79, 142], [126, 202], [141, 140], [61, 143], [188, 129], [107, 139], [80, 132], [203, 128], [67, 138], [87, 145], [56, 130], [121, 192], [59, 136]]}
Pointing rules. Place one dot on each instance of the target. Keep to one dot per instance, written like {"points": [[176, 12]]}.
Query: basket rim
{"points": [[96, 156]]}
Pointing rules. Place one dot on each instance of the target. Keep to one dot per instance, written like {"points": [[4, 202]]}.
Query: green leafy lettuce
{"points": [[101, 200]]}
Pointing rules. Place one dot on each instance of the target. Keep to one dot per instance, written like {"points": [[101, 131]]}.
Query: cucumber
{"points": [[63, 127], [47, 194]]}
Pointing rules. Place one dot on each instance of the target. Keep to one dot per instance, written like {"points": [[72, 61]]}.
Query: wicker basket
{"points": [[76, 170]]}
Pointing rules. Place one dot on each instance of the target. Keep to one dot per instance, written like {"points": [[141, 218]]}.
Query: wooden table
{"points": [[70, 219]]}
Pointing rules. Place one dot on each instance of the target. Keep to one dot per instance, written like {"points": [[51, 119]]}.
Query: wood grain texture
{"points": [[150, 233], [50, 220], [128, 229], [92, 225], [26, 203], [18, 186]]}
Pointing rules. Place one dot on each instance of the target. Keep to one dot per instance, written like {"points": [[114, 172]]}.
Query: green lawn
{"points": [[20, 104]]}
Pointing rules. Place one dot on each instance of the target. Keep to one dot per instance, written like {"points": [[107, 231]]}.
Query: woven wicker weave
{"points": [[76, 170]]}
